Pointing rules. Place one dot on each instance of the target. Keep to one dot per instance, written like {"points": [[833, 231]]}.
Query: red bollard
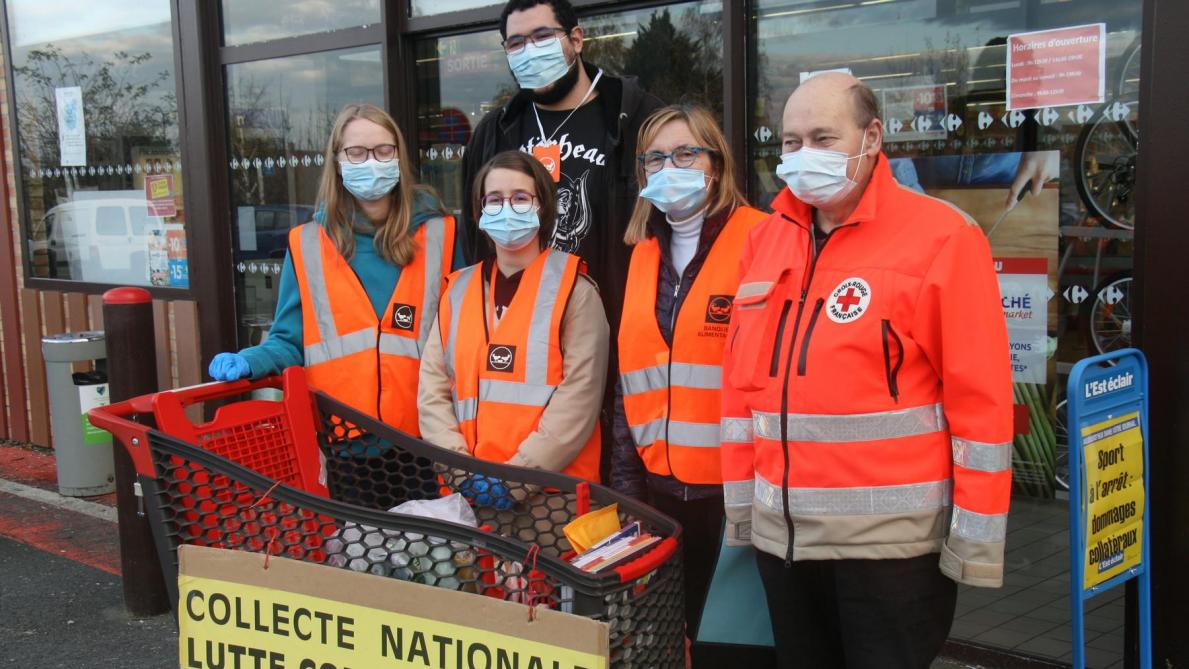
{"points": [[132, 371]]}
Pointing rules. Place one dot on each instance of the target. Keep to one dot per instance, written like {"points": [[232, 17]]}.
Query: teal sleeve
{"points": [[460, 258], [284, 347]]}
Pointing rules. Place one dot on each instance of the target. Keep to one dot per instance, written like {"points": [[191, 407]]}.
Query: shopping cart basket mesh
{"points": [[202, 498]]}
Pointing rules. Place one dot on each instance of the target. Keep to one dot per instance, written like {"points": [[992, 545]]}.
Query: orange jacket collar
{"points": [[800, 213]]}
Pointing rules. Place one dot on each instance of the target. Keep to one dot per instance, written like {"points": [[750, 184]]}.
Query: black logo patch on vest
{"points": [[403, 316], [718, 308], [501, 357]]}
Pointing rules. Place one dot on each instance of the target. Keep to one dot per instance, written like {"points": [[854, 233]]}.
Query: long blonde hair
{"points": [[394, 241], [724, 192]]}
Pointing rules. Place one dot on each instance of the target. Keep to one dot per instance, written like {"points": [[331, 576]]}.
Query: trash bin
{"points": [[83, 451]]}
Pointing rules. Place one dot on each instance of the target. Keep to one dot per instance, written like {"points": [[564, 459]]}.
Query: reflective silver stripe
{"points": [[686, 375], [981, 456], [392, 344], [873, 500], [465, 410], [736, 430], [987, 529], [458, 290], [510, 392], [536, 365], [435, 239], [853, 427], [644, 380], [337, 347], [738, 493], [646, 434], [311, 254], [697, 435], [753, 288]]}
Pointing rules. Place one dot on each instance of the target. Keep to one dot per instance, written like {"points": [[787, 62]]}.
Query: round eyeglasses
{"points": [[539, 37], [521, 202], [682, 156], [359, 154]]}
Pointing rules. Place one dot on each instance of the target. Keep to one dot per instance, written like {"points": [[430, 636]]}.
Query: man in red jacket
{"points": [[867, 422]]}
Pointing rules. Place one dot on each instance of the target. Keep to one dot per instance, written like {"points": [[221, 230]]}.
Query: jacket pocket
{"points": [[891, 371], [759, 313], [803, 358]]}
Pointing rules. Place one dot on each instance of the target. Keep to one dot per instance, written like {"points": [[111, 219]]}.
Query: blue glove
{"points": [[486, 491], [229, 367]]}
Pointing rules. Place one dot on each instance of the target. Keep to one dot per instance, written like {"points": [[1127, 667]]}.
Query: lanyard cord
{"points": [[567, 118]]}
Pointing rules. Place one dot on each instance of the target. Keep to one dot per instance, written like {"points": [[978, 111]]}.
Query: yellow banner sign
{"points": [[1114, 497], [234, 613]]}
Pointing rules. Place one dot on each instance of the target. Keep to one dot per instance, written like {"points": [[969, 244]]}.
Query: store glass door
{"points": [[279, 116], [1048, 125]]}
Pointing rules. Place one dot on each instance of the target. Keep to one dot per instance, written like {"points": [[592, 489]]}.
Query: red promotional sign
{"points": [[1052, 68]]}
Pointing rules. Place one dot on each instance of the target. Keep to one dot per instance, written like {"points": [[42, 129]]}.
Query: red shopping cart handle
{"points": [[648, 562], [205, 392]]}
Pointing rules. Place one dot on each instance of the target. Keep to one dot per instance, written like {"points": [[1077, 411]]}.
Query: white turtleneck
{"points": [[684, 242]]}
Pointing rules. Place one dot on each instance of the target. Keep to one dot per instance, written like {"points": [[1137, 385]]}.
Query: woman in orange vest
{"points": [[517, 372], [688, 228], [360, 284]]}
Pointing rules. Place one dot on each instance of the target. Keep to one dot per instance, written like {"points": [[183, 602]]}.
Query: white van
{"points": [[102, 237]]}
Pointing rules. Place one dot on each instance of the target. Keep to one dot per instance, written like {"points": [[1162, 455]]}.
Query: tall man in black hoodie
{"points": [[581, 122]]}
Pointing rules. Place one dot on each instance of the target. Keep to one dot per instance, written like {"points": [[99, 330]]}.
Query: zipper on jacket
{"points": [[774, 366], [817, 311], [806, 282], [890, 371]]}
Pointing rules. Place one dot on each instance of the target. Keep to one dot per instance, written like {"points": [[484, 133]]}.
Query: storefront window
{"points": [[971, 121], [279, 116], [249, 21], [431, 7], [675, 50], [97, 138]]}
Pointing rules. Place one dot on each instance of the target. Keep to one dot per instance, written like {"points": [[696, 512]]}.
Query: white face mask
{"points": [[818, 176]]}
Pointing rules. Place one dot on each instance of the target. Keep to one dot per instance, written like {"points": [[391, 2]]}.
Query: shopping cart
{"points": [[322, 496]]}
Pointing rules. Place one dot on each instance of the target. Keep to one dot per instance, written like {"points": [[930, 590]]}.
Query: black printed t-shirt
{"points": [[582, 207]]}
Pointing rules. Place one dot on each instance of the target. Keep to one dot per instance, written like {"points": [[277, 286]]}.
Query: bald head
{"points": [[839, 90]]}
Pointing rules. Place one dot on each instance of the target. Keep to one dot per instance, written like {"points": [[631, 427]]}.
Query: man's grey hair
{"points": [[866, 104]]}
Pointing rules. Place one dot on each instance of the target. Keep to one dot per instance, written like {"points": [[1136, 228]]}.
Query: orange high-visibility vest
{"points": [[505, 375], [671, 394], [366, 362]]}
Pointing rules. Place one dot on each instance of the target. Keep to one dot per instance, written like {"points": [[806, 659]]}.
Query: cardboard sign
{"points": [[1051, 68], [1114, 456], [296, 615], [1024, 288]]}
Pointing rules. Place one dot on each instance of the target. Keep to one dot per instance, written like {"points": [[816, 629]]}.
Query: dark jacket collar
{"points": [[659, 227]]}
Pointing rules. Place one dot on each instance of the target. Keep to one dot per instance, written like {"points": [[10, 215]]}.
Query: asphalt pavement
{"points": [[58, 613]]}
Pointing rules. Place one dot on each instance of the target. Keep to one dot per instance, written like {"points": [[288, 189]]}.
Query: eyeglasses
{"points": [[682, 156], [539, 37], [521, 202], [359, 154]]}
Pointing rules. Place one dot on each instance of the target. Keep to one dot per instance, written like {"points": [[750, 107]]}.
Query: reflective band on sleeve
{"points": [[984, 528], [465, 410], [738, 493], [311, 254], [646, 434], [865, 501], [510, 392], [686, 375], [697, 435], [458, 291], [981, 456], [736, 430], [752, 289], [536, 364], [338, 347], [853, 427], [435, 239], [392, 344]]}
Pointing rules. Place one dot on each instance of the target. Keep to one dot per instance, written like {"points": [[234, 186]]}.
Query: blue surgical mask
{"points": [[538, 66], [371, 179], [677, 191], [511, 230]]}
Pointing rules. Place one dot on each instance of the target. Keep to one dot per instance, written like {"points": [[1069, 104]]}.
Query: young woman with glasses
{"points": [[360, 283], [517, 369], [688, 228]]}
